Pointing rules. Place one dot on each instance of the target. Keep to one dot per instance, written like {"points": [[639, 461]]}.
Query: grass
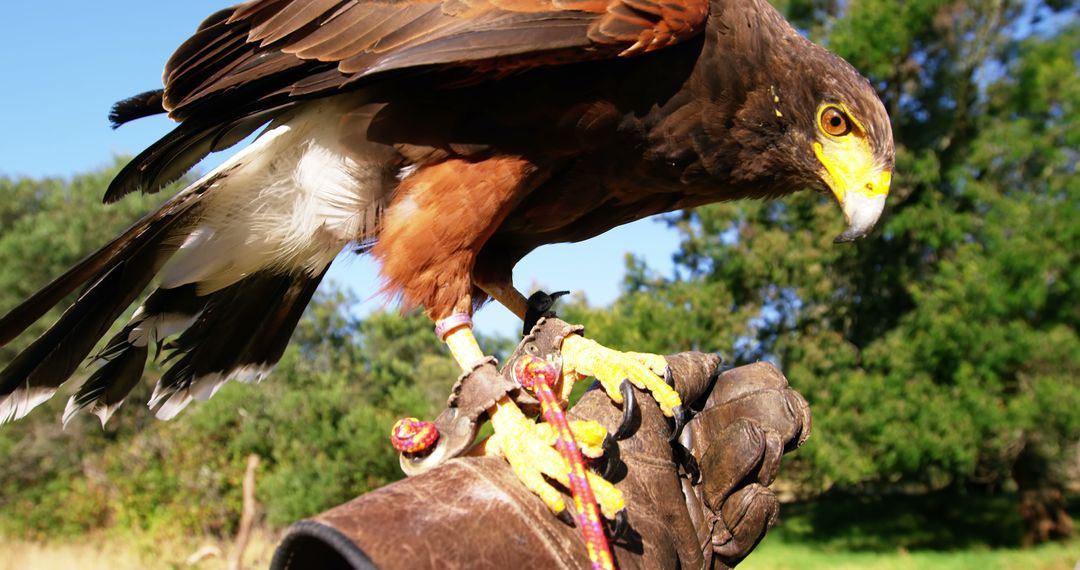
{"points": [[111, 552], [775, 554], [936, 531]]}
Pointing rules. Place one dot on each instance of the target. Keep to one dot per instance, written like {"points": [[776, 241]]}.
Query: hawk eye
{"points": [[834, 122]]}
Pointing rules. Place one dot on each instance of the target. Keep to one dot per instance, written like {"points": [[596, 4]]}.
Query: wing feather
{"points": [[247, 63], [270, 47], [289, 19]]}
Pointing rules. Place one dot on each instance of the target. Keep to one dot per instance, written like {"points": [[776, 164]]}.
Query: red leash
{"points": [[538, 375]]}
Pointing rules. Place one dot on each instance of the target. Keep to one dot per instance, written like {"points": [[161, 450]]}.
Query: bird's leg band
{"points": [[456, 332], [425, 445]]}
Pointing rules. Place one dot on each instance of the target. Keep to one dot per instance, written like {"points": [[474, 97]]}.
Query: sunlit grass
{"points": [[774, 554], [938, 531], [112, 552], [944, 530], [134, 553]]}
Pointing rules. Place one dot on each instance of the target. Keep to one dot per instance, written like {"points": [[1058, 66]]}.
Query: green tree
{"points": [[321, 422], [943, 350], [45, 227]]}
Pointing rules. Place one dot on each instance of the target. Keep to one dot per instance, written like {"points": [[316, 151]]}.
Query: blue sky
{"points": [[64, 63]]}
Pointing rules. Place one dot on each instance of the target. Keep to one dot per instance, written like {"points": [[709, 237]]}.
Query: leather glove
{"points": [[751, 418], [472, 512]]}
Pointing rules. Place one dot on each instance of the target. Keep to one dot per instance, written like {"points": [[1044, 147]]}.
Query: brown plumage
{"points": [[440, 219], [452, 137]]}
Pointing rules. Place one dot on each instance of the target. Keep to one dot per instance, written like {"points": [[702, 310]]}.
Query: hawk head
{"points": [[815, 122]]}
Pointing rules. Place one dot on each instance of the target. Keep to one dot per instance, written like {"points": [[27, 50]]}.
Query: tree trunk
{"points": [[1042, 499], [247, 517]]}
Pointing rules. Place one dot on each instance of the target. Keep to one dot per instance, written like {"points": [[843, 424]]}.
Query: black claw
{"points": [[617, 528], [698, 405], [539, 305], [688, 462], [630, 411], [565, 516], [682, 417], [681, 414], [612, 460]]}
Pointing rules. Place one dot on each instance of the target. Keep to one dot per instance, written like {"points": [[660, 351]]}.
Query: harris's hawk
{"points": [[448, 138]]}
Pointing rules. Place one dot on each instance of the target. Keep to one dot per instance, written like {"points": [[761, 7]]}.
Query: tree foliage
{"points": [[321, 422], [944, 348]]}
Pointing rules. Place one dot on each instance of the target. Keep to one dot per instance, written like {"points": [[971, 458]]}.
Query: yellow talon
{"points": [[655, 362], [529, 448], [588, 435], [607, 496], [583, 357], [531, 473]]}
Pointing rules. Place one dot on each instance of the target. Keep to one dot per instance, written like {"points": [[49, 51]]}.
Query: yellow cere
{"points": [[849, 160]]}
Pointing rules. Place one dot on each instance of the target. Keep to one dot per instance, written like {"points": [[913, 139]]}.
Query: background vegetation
{"points": [[941, 356]]}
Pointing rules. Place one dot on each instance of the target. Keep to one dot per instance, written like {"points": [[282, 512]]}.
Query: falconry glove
{"points": [[746, 419]]}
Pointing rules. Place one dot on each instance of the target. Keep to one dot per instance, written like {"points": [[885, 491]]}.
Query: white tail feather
{"points": [[16, 405], [102, 411], [202, 388], [157, 327], [173, 406]]}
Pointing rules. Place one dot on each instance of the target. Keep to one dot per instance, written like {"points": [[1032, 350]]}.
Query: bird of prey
{"points": [[447, 138]]}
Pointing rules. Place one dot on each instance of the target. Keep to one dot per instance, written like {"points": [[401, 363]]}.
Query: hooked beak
{"points": [[858, 185]]}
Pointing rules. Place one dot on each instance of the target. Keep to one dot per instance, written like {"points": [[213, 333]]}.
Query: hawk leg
{"points": [[529, 447], [583, 358]]}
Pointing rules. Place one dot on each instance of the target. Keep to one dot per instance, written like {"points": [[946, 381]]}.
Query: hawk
{"points": [[448, 139]]}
